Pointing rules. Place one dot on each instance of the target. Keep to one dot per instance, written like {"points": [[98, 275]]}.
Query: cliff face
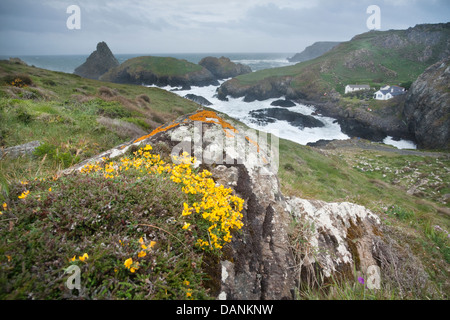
{"points": [[427, 107], [224, 68], [263, 261], [315, 50], [98, 63]]}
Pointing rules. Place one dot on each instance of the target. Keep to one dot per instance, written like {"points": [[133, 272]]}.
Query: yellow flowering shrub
{"points": [[211, 207]]}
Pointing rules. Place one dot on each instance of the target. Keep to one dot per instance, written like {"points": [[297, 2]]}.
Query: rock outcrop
{"points": [[98, 63], [283, 103], [198, 99], [21, 150], [427, 107], [296, 119], [263, 90], [268, 258], [224, 68], [313, 51], [161, 71]]}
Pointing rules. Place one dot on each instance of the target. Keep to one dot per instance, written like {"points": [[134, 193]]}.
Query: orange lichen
{"points": [[252, 142], [211, 117], [202, 116], [157, 130]]}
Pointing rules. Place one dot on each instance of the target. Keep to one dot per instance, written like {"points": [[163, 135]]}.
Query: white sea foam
{"points": [[238, 109], [400, 144]]}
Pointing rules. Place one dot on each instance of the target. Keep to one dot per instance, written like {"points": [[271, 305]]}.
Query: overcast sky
{"points": [[203, 26]]}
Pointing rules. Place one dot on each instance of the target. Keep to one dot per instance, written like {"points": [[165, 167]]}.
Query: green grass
{"points": [[160, 66], [64, 111]]}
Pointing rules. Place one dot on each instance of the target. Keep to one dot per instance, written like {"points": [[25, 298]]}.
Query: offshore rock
{"points": [[198, 99], [160, 71], [224, 68], [283, 103], [296, 119], [98, 63]]}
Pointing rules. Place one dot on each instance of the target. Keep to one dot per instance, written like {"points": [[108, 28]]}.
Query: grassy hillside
{"points": [[48, 223], [375, 58], [74, 118], [160, 66]]}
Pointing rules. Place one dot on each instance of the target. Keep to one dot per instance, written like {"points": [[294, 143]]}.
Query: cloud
{"points": [[199, 25]]}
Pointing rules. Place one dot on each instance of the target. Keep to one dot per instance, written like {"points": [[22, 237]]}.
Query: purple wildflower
{"points": [[361, 280]]}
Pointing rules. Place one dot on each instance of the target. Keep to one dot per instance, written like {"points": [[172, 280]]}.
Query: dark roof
{"points": [[394, 91]]}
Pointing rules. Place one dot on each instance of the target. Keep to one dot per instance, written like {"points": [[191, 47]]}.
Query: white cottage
{"points": [[356, 87], [388, 92]]}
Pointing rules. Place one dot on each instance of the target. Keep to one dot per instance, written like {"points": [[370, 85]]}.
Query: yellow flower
{"points": [[186, 210], [144, 247], [5, 206], [132, 270], [24, 194], [49, 189], [73, 259], [186, 283], [152, 244], [141, 241], [9, 258], [186, 226], [142, 254], [83, 257], [128, 263], [189, 293]]}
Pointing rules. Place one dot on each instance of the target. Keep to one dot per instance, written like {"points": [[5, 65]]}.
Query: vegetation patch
{"points": [[137, 229]]}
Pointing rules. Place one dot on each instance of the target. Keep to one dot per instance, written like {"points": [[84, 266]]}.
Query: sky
{"points": [[39, 27]]}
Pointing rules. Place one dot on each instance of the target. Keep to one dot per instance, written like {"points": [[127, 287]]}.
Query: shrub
{"points": [[111, 109], [106, 92], [49, 82], [52, 152], [399, 213], [143, 97], [125, 226], [23, 115], [18, 80]]}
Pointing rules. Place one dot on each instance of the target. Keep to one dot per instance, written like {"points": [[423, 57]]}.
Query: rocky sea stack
{"points": [[224, 68], [161, 71], [98, 63]]}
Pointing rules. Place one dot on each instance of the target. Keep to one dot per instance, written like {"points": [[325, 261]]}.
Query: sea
{"points": [[235, 108]]}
